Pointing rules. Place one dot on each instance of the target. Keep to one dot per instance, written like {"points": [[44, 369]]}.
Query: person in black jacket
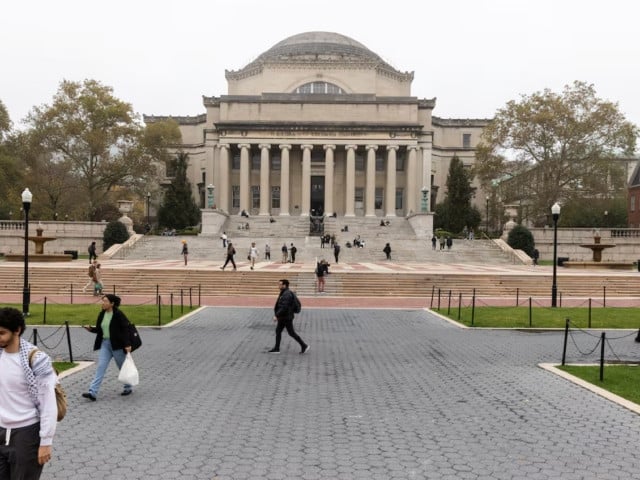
{"points": [[112, 339], [283, 315]]}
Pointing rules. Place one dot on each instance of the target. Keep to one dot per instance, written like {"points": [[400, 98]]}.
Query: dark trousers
{"points": [[288, 324], [229, 259], [19, 459]]}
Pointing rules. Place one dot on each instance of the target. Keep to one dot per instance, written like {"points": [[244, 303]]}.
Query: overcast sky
{"points": [[473, 55]]}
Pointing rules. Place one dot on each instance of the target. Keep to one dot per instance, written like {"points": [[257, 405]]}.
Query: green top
{"points": [[106, 321]]}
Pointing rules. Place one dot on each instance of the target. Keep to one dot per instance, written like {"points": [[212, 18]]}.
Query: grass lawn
{"points": [[62, 366], [623, 380], [541, 317], [83, 314]]}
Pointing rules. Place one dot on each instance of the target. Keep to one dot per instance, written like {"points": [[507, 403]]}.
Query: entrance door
{"points": [[317, 195]]}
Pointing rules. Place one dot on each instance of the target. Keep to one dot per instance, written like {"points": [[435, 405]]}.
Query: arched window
{"points": [[319, 88]]}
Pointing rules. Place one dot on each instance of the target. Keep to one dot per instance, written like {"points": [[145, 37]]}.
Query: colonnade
{"points": [[414, 180]]}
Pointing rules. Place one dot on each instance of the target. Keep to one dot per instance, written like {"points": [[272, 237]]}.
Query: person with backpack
{"points": [[28, 410], [112, 341], [285, 309]]}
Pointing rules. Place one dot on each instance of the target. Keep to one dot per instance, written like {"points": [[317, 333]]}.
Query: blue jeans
{"points": [[105, 355]]}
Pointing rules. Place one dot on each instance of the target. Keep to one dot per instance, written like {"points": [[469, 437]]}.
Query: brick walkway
{"points": [[382, 394]]}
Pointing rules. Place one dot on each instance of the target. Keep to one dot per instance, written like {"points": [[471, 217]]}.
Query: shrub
{"points": [[520, 238], [116, 232]]}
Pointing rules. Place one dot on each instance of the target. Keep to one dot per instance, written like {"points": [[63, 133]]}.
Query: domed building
{"points": [[320, 124]]}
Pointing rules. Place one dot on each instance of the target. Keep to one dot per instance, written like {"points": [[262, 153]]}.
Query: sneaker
{"points": [[90, 396], [126, 392], [305, 349], [222, 268], [273, 350]]}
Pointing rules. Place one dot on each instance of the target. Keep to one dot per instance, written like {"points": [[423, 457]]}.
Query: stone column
{"points": [[370, 192], [284, 179], [328, 179], [305, 202], [349, 210], [223, 187], [412, 178], [390, 186], [426, 173], [265, 190], [245, 170]]}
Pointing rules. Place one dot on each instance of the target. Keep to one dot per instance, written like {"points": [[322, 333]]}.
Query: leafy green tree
{"points": [[115, 232], [179, 209], [100, 140], [566, 143], [599, 213], [456, 211], [520, 238], [11, 168]]}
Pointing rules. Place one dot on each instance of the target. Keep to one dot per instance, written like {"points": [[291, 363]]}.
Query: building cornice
{"points": [[460, 122], [224, 127], [184, 120], [359, 99]]}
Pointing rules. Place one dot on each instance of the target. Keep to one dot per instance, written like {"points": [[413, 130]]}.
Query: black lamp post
{"points": [[487, 199], [26, 294], [148, 210], [555, 213]]}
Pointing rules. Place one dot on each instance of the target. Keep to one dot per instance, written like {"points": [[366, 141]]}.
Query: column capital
{"points": [[306, 147], [329, 147], [244, 145], [392, 147], [372, 147], [224, 145], [351, 147], [413, 147], [284, 147], [264, 145]]}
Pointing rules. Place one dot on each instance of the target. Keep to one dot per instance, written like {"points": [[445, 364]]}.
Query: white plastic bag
{"points": [[129, 372]]}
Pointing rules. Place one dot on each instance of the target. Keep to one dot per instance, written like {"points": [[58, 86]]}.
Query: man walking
{"points": [[230, 253], [293, 251], [92, 252], [283, 316], [336, 251], [28, 409]]}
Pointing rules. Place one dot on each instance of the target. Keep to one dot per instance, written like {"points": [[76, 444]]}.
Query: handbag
{"points": [[134, 337], [61, 395], [128, 372]]}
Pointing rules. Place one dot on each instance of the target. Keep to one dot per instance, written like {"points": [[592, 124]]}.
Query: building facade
{"points": [[319, 124]]}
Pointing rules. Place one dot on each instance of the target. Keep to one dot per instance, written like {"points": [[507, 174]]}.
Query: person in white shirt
{"points": [[28, 409], [253, 254]]}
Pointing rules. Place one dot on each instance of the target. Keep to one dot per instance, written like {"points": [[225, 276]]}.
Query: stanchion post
{"points": [[589, 322], [171, 305], [35, 337], [68, 330], [181, 301], [44, 313], [199, 294], [158, 293], [459, 304], [159, 311], [473, 307], [517, 296], [530, 312], [71, 294], [604, 296], [602, 339], [438, 299], [566, 335], [433, 290], [449, 304], [190, 299]]}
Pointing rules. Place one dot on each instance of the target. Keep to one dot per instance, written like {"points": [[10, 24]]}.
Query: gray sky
{"points": [[473, 55]]}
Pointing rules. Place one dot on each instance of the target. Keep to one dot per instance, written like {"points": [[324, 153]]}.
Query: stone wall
{"points": [[69, 236]]}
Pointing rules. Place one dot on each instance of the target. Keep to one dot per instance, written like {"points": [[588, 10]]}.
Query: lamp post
{"points": [[555, 213], [210, 189], [487, 210], [425, 200], [149, 210], [27, 197]]}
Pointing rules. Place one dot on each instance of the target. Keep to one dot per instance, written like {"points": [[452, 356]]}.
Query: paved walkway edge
{"points": [[552, 367]]}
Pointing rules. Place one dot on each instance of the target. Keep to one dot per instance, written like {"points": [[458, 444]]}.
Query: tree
{"points": [[11, 168], [521, 238], [115, 232], [565, 142], [178, 209], [456, 211], [99, 139]]}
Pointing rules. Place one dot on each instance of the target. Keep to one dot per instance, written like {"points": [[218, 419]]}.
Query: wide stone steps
{"points": [[62, 280]]}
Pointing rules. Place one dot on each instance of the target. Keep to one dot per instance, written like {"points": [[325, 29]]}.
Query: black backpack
{"points": [[134, 337], [297, 306]]}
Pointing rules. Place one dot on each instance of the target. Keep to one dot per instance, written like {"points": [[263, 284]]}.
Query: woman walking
{"points": [[112, 340], [185, 251], [253, 254], [230, 253]]}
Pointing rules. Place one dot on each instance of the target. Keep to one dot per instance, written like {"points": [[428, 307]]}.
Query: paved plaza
{"points": [[382, 394]]}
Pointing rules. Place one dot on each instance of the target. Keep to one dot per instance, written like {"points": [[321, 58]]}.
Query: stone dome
{"points": [[321, 47]]}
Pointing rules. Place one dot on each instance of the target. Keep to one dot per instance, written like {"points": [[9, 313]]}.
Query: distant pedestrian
{"points": [[92, 276], [322, 237], [253, 254], [185, 251], [285, 253], [442, 242], [434, 241], [387, 251], [97, 281], [283, 316], [28, 411], [230, 253], [267, 252], [112, 340], [336, 250], [449, 242], [293, 251], [322, 269], [224, 239], [535, 256], [92, 252]]}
